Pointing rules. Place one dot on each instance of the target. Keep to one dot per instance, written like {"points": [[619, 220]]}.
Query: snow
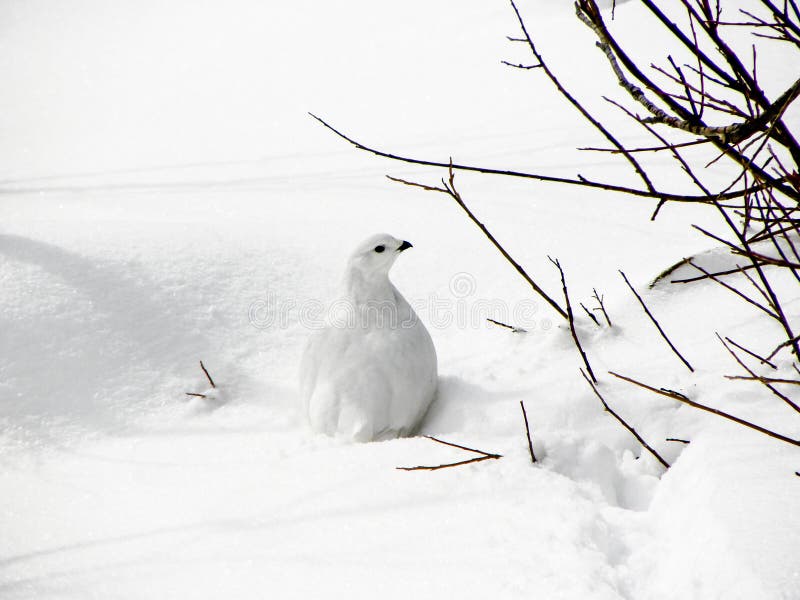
{"points": [[166, 199]]}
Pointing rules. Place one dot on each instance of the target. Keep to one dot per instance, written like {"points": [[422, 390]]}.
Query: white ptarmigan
{"points": [[371, 372]]}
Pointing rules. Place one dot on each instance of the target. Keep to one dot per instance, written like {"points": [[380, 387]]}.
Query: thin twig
{"points": [[483, 456], [648, 148], [720, 413], [761, 359], [579, 107], [520, 65], [208, 376], [527, 431], [721, 137], [622, 422], [507, 326], [761, 380], [655, 322], [675, 153], [782, 345], [211, 381], [678, 440], [447, 465], [755, 260], [580, 181], [601, 306], [571, 319], [590, 313], [460, 447]]}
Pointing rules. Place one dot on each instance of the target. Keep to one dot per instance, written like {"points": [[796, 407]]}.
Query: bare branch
{"points": [[580, 181], [580, 108], [211, 381], [461, 463], [482, 456], [767, 286], [460, 447], [571, 319], [590, 314], [685, 120], [762, 379], [208, 376], [622, 422], [715, 411], [507, 326], [601, 306], [650, 148], [527, 431], [729, 134], [520, 65], [761, 359], [782, 345], [655, 322]]}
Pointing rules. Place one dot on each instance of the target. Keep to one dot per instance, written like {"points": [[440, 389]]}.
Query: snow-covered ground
{"points": [[165, 198]]}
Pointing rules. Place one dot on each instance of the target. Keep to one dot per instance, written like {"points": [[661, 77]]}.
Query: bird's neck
{"points": [[365, 289]]}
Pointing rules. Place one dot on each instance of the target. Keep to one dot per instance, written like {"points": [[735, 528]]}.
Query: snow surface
{"points": [[165, 199]]}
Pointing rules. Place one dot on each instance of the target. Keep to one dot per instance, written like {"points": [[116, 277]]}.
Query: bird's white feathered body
{"points": [[371, 372]]}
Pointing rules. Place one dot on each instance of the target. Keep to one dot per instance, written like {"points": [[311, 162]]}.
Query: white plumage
{"points": [[371, 373]]}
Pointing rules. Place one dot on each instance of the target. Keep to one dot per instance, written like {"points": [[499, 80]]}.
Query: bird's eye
{"points": [[380, 248]]}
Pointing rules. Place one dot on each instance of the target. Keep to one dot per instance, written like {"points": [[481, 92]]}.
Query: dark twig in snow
{"points": [[715, 411], [655, 322], [208, 376], [601, 306], [680, 441], [507, 326], [622, 422], [460, 447], [527, 431], [448, 465], [571, 319], [483, 456], [591, 315]]}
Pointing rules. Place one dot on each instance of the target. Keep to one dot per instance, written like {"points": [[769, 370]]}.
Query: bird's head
{"points": [[377, 254]]}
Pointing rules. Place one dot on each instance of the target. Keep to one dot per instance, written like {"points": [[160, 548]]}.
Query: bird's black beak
{"points": [[404, 246]]}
